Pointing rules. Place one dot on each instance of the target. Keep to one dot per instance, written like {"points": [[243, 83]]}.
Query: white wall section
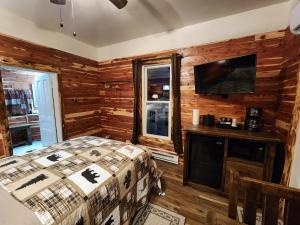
{"points": [[256, 21], [18, 27]]}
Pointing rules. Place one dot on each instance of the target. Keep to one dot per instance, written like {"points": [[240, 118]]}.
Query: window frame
{"points": [[145, 100]]}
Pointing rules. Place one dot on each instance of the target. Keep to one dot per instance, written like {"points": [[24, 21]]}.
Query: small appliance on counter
{"points": [[228, 123], [208, 120], [253, 119]]}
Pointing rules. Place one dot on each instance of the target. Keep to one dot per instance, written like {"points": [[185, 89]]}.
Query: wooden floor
{"points": [[185, 200]]}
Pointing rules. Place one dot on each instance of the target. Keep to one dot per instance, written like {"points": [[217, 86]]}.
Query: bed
{"points": [[83, 181]]}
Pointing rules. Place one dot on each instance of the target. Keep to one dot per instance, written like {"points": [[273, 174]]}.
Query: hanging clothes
{"points": [[18, 102]]}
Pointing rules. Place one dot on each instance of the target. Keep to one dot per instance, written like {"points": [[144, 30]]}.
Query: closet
{"points": [[21, 106]]}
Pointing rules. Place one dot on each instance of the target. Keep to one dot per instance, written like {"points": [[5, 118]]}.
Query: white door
{"points": [[44, 95]]}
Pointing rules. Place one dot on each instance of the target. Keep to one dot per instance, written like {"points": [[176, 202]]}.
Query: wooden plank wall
{"points": [[289, 108], [5, 142], [268, 48], [116, 98], [97, 97], [78, 84], [116, 111], [292, 134], [288, 84], [14, 80]]}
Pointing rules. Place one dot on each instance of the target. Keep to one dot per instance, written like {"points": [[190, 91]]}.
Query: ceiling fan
{"points": [[118, 3]]}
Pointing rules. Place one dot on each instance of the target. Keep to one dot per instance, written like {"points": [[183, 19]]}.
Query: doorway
{"points": [[33, 108]]}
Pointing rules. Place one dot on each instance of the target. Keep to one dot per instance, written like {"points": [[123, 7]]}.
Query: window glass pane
{"points": [[158, 119], [158, 84]]}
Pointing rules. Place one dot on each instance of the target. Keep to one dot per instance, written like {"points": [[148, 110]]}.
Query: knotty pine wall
{"points": [[116, 110], [288, 84], [78, 84], [97, 97], [17, 81]]}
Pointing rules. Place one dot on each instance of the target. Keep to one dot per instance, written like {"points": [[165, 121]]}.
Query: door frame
{"points": [[57, 107], [55, 77]]}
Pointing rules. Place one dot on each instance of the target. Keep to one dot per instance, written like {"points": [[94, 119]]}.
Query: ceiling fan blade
{"points": [[58, 2], [119, 3]]}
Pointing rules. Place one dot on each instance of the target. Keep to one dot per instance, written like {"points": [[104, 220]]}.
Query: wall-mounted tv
{"points": [[236, 75]]}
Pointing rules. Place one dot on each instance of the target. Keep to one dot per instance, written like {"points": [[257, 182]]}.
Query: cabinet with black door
{"points": [[210, 153], [206, 160]]}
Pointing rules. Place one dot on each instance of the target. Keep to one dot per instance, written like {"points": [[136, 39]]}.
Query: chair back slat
{"points": [[250, 207], [270, 210], [292, 212], [272, 193], [266, 188], [233, 193]]}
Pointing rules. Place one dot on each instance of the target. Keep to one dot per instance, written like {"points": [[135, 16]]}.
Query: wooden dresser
{"points": [[210, 153]]}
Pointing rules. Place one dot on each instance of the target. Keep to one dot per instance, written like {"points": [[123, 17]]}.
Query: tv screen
{"points": [[236, 75]]}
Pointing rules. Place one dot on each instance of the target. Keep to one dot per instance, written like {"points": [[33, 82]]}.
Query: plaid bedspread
{"points": [[82, 181]]}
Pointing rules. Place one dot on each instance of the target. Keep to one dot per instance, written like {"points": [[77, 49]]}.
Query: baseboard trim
{"points": [[165, 156]]}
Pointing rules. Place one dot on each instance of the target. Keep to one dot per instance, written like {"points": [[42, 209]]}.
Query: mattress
{"points": [[83, 181]]}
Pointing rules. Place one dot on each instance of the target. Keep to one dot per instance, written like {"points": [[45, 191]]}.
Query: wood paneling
{"points": [[79, 85], [17, 81], [117, 115], [97, 97], [289, 109], [288, 84], [5, 142], [117, 99]]}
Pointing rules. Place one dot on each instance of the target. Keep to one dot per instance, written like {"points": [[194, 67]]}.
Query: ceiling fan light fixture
{"points": [[119, 3], [58, 2]]}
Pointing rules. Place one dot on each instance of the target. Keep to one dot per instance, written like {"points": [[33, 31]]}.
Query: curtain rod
{"points": [[159, 58]]}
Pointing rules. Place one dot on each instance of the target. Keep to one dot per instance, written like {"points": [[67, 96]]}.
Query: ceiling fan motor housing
{"points": [[58, 2], [119, 3]]}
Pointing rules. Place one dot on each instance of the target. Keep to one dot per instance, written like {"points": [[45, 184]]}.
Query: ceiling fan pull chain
{"points": [[118, 3], [73, 17], [60, 18]]}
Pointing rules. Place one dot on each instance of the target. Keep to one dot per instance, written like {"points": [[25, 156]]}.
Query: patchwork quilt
{"points": [[82, 181]]}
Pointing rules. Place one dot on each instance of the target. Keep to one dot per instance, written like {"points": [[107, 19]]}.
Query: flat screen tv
{"points": [[236, 75]]}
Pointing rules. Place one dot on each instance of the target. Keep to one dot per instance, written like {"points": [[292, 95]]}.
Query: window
{"points": [[157, 101]]}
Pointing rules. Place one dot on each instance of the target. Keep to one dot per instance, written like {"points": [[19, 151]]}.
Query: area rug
{"points": [[154, 214], [258, 217]]}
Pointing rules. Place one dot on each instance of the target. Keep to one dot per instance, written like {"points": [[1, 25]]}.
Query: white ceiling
{"points": [[99, 23]]}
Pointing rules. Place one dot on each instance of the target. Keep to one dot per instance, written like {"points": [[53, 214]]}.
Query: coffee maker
{"points": [[253, 119]]}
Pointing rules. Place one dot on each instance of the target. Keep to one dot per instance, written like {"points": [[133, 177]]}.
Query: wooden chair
{"points": [[213, 218], [256, 193]]}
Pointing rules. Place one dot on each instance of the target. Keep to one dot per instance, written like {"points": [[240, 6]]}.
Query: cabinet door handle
{"points": [[219, 143]]}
